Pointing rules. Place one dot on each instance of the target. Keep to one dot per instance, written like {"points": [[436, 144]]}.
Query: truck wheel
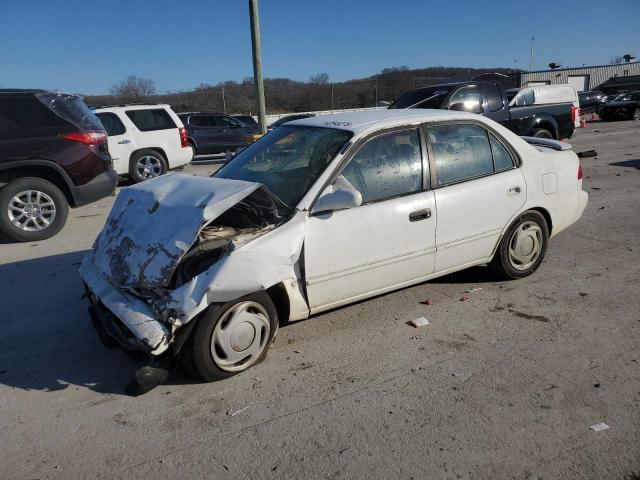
{"points": [[147, 164], [542, 133], [231, 338], [522, 247], [32, 209]]}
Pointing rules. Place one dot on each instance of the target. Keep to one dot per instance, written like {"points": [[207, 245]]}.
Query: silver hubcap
{"points": [[525, 245], [149, 167], [31, 210], [240, 336]]}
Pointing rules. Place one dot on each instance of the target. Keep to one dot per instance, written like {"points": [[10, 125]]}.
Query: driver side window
{"points": [[387, 166]]}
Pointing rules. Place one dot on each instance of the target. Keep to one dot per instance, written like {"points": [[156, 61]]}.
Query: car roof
{"points": [[136, 106], [358, 122]]}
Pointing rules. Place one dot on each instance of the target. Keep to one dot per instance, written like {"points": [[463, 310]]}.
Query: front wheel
{"points": [[32, 209], [523, 246], [231, 338]]}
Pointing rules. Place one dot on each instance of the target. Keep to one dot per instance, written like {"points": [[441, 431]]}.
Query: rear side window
{"points": [[493, 97], [461, 152], [501, 156], [466, 99], [111, 123], [28, 112], [152, 119], [525, 97], [227, 122], [202, 121], [387, 166]]}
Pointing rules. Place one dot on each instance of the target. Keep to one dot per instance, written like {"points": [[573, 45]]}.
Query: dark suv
{"points": [[215, 132], [53, 154]]}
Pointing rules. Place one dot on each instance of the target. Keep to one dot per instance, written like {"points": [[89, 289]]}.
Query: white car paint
{"points": [[123, 146], [322, 260]]}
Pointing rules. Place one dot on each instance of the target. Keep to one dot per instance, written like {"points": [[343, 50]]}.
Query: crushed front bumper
{"points": [[125, 318]]}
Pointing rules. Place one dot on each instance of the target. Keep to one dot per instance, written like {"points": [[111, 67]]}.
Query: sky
{"points": [[86, 47]]}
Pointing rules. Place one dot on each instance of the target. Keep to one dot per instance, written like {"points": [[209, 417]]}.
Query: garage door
{"points": [[579, 82]]}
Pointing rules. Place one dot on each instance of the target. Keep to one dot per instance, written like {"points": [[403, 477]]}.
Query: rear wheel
{"points": [[32, 209], [542, 133], [231, 338], [636, 114], [147, 164], [523, 246]]}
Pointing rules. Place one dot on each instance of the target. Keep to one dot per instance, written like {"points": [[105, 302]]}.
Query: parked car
{"points": [[549, 95], [624, 107], [289, 118], [249, 121], [320, 213], [53, 155], [145, 141], [554, 121], [591, 101], [612, 97], [211, 132]]}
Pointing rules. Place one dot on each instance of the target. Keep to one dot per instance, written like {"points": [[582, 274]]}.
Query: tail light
{"points": [[574, 112], [579, 172], [87, 138], [183, 138]]}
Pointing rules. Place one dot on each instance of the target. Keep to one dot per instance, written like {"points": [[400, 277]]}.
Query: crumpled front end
{"points": [[164, 255]]}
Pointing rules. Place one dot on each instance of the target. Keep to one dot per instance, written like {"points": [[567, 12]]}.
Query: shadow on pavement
{"points": [[48, 342], [635, 163]]}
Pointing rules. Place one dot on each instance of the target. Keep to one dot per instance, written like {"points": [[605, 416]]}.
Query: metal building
{"points": [[608, 78]]}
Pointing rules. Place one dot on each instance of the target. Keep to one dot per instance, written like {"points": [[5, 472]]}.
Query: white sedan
{"points": [[319, 213]]}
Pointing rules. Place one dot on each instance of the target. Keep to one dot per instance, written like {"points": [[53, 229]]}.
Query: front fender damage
{"points": [[173, 246]]}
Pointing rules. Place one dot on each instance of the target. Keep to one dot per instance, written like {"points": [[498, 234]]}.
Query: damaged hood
{"points": [[154, 223]]}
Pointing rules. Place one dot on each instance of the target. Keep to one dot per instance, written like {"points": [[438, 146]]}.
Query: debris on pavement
{"points": [[233, 412], [473, 290], [427, 301], [297, 351], [464, 298], [598, 427], [418, 322]]}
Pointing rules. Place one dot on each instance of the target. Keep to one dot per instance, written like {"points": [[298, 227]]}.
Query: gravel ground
{"points": [[505, 385]]}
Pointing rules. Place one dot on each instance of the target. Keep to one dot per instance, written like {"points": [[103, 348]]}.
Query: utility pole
{"points": [[332, 106], [531, 56], [257, 65], [224, 104], [376, 85]]}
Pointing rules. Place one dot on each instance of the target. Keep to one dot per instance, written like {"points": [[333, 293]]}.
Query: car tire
{"points": [[542, 133], [147, 164], [523, 246], [636, 114], [32, 209], [230, 338]]}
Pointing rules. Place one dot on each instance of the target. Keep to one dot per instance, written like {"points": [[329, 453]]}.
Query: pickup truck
{"points": [[554, 121]]}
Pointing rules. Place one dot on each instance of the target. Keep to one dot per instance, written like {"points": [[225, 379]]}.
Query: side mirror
{"points": [[340, 199]]}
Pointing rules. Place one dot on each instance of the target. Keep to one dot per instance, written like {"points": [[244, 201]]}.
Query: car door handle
{"points": [[514, 190], [124, 142], [420, 215]]}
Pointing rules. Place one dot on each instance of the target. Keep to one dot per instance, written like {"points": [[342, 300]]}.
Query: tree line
{"points": [[285, 95]]}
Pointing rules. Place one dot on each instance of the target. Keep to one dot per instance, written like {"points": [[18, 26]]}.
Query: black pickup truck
{"points": [[489, 99]]}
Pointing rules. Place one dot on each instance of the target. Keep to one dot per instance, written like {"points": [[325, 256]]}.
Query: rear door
{"points": [[388, 241], [479, 188], [231, 131], [120, 144]]}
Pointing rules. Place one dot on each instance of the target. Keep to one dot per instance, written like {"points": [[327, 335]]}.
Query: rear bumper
{"points": [[583, 199], [180, 157], [127, 319], [101, 186]]}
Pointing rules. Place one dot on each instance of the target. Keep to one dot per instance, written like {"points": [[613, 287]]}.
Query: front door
{"points": [[120, 143], [388, 241], [479, 189]]}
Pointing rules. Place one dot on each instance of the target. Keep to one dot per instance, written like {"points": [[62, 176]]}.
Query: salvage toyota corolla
{"points": [[319, 213]]}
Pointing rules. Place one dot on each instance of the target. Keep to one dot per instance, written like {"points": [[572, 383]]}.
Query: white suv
{"points": [[145, 141]]}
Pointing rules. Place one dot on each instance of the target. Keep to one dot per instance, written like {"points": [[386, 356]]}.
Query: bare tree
{"points": [[616, 59], [319, 78], [134, 89]]}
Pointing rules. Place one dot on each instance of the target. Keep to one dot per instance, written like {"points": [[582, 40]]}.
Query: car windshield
{"points": [[288, 160], [423, 98]]}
